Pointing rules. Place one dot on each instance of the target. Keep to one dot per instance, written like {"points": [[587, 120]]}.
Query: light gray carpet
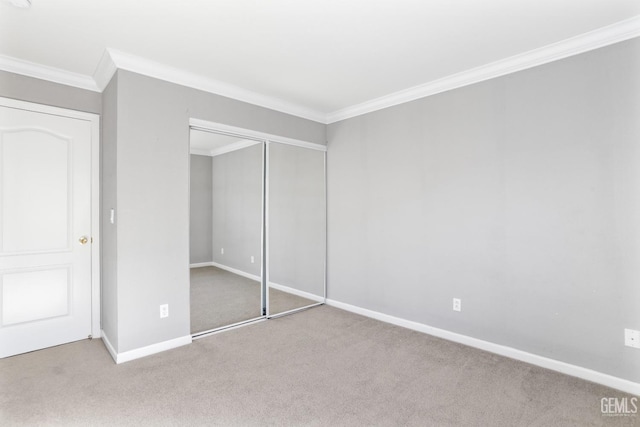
{"points": [[320, 367], [221, 298]]}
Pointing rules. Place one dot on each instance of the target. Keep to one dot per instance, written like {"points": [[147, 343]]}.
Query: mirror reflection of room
{"points": [[297, 227], [254, 202], [226, 230]]}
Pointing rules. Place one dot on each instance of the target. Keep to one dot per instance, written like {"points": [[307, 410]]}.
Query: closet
{"points": [[257, 226]]}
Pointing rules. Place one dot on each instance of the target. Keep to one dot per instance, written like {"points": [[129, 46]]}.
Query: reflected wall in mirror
{"points": [[226, 230], [296, 232]]}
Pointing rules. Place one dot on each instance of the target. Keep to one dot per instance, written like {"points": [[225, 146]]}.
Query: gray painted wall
{"points": [[237, 209], [25, 88], [519, 195], [297, 213], [109, 297], [153, 196], [200, 210]]}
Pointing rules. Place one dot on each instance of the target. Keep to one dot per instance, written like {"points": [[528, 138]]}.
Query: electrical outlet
{"points": [[164, 311], [632, 338], [221, 251], [252, 259], [457, 304]]}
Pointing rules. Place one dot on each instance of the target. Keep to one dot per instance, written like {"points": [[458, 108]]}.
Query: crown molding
{"points": [[112, 60], [136, 64], [238, 145], [618, 32], [104, 71], [44, 72], [235, 146], [200, 152]]}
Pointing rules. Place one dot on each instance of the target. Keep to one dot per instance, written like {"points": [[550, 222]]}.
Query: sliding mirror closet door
{"points": [[296, 227], [226, 230]]}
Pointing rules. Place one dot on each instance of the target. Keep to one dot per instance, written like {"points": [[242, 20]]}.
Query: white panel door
{"points": [[45, 226]]}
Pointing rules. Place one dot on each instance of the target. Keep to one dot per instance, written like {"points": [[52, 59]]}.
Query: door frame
{"points": [[94, 120]]}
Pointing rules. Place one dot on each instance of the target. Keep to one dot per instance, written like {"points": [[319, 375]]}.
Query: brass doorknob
{"points": [[83, 240]]}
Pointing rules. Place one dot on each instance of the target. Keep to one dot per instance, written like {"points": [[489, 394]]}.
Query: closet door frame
{"points": [[266, 139]]}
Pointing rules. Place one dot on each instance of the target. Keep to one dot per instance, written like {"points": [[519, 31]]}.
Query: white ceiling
{"points": [[321, 55]]}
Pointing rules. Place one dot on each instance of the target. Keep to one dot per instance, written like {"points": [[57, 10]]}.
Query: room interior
{"points": [[470, 212]]}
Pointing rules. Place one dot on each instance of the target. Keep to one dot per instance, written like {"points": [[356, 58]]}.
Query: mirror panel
{"points": [[226, 230], [296, 232]]}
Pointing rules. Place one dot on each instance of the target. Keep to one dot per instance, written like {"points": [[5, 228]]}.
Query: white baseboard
{"points": [[144, 351], [236, 271], [227, 268], [109, 347], [544, 362], [201, 264], [297, 292]]}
